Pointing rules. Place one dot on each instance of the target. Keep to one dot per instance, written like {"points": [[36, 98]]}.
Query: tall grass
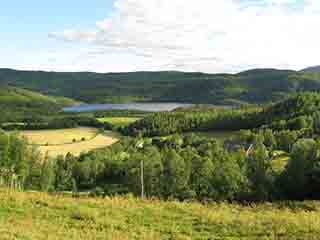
{"points": [[43, 216]]}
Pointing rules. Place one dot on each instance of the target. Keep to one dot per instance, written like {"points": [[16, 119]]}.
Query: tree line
{"points": [[62, 122]]}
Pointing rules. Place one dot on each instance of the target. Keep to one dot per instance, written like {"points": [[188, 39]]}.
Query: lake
{"points": [[148, 107]]}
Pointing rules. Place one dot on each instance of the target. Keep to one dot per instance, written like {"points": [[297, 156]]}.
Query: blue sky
{"points": [[31, 20], [130, 35], [25, 25]]}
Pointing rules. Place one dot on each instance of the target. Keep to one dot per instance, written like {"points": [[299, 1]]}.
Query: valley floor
{"points": [[41, 216]]}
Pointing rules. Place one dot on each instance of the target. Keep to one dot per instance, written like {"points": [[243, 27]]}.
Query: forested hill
{"points": [[18, 96], [15, 102], [315, 69], [253, 86], [297, 112]]}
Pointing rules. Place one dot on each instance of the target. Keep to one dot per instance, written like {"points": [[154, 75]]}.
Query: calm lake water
{"points": [[149, 107]]}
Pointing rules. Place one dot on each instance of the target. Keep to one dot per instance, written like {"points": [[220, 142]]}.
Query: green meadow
{"points": [[34, 215], [119, 121]]}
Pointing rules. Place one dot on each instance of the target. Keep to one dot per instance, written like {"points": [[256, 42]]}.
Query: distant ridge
{"points": [[255, 86], [313, 69]]}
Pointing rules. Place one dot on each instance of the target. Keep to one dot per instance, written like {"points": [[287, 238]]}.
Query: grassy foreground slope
{"points": [[253, 86], [41, 216]]}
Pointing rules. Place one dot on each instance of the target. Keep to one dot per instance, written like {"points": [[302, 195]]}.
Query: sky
{"points": [[211, 36]]}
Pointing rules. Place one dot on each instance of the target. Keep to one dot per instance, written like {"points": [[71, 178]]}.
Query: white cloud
{"points": [[203, 35]]}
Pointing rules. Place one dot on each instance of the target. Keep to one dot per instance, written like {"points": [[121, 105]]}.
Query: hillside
{"points": [[42, 216], [315, 69], [296, 112], [15, 102], [21, 97], [253, 86]]}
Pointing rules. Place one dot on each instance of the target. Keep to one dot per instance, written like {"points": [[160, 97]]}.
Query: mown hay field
{"points": [[63, 141], [42, 216], [59, 136], [119, 121]]}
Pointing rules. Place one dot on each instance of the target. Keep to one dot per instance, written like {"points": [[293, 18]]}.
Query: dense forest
{"points": [[300, 111], [253, 86], [166, 123], [178, 167]]}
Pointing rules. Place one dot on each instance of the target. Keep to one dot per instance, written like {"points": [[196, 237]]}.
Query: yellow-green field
{"points": [[59, 136], [30, 216], [119, 121], [74, 140]]}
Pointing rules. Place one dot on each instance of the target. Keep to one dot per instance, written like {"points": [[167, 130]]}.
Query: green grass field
{"points": [[119, 121], [29, 216]]}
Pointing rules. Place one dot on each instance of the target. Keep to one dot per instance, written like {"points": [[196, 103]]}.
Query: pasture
{"points": [[43, 216], [119, 121], [74, 140], [59, 136]]}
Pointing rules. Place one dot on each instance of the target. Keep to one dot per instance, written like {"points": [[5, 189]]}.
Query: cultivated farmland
{"points": [[59, 136], [63, 141]]}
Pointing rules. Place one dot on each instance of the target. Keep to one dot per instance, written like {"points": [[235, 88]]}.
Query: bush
{"points": [[97, 192]]}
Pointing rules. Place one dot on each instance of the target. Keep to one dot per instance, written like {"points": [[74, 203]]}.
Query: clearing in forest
{"points": [[119, 121]]}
